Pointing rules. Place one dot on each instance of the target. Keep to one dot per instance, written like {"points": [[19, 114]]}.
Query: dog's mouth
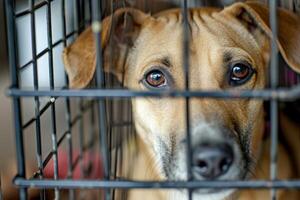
{"points": [[208, 191]]}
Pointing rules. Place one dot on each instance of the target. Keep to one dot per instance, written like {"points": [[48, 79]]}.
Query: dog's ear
{"points": [[255, 16], [121, 28]]}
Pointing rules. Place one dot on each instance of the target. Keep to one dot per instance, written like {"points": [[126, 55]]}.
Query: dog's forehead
{"points": [[167, 28], [162, 37]]}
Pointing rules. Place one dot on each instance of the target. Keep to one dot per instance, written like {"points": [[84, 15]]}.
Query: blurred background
{"points": [[6, 130], [6, 133], [24, 50]]}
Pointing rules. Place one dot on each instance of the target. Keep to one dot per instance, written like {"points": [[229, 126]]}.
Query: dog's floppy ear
{"points": [[256, 16], [80, 57]]}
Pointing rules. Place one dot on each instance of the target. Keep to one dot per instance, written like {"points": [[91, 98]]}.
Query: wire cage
{"points": [[79, 135]]}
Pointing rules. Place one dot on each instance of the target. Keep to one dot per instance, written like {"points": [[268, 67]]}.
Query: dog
{"points": [[229, 49]]}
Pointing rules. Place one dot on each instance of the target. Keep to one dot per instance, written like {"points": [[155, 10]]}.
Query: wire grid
{"points": [[102, 115]]}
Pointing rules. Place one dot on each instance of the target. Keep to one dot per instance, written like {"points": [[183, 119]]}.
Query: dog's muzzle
{"points": [[211, 161]]}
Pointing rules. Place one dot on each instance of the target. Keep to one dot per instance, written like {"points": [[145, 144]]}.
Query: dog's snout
{"points": [[212, 161]]}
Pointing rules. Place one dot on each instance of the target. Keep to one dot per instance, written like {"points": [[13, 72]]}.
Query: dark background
{"points": [[3, 54]]}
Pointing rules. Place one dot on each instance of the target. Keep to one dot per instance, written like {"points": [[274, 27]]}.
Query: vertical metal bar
{"points": [[274, 103], [53, 116], [13, 61], [68, 107], [92, 125], [54, 147], [92, 131], [90, 11], [81, 14], [77, 7], [109, 121], [96, 26], [118, 140], [81, 144], [76, 16], [110, 111], [81, 138], [124, 132], [70, 146], [111, 139], [36, 99], [187, 85]]}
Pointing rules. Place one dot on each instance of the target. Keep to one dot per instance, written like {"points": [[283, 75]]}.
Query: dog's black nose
{"points": [[212, 161]]}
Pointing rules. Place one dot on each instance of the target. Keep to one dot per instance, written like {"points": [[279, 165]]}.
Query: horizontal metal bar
{"points": [[28, 11], [39, 55], [67, 37], [50, 154], [52, 101], [61, 139], [91, 184], [287, 94], [41, 112]]}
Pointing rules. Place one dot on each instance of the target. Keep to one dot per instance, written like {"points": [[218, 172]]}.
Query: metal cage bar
{"points": [[186, 49], [36, 99], [102, 102], [54, 153], [274, 102], [281, 94], [257, 184], [12, 52], [96, 26]]}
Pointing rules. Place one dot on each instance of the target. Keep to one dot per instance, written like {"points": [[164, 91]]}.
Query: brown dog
{"points": [[229, 49]]}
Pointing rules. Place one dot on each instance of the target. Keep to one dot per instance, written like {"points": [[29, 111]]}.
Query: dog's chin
{"points": [[207, 191], [212, 194], [207, 194]]}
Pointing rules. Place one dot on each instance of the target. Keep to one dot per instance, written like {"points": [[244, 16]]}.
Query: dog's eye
{"points": [[156, 79], [240, 73]]}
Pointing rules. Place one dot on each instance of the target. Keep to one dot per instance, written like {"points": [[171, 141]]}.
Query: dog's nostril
{"points": [[212, 161], [203, 166]]}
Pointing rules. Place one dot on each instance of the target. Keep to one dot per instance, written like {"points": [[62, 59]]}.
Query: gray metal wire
{"points": [[105, 126]]}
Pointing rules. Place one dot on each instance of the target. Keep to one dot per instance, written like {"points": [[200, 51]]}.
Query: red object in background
{"points": [[92, 163]]}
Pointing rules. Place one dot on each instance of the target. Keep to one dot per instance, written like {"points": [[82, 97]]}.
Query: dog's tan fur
{"points": [[241, 31]]}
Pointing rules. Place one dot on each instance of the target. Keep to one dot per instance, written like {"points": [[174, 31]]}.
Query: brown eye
{"points": [[156, 79], [240, 74]]}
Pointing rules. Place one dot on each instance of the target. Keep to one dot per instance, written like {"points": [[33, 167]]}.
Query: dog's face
{"points": [[221, 131], [228, 49]]}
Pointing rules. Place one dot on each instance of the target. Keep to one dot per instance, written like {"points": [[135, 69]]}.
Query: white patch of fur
{"points": [[206, 132], [183, 195]]}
